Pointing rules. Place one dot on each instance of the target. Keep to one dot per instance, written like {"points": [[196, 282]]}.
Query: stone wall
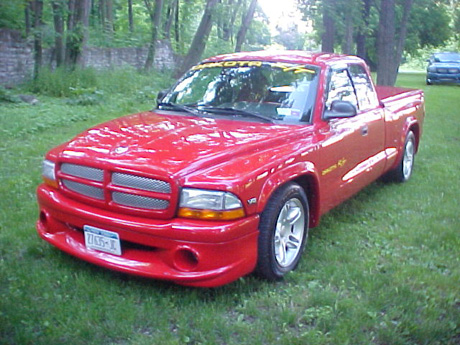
{"points": [[16, 57], [17, 61]]}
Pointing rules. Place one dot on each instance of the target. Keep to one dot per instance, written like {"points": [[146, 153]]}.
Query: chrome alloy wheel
{"points": [[289, 232], [408, 159]]}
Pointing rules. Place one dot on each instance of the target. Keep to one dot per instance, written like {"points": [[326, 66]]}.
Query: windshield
{"points": [[279, 92], [447, 57]]}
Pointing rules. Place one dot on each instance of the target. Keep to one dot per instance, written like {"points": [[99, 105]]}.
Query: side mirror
{"points": [[340, 109], [161, 95]]}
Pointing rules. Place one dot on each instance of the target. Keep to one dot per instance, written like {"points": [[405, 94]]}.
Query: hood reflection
{"points": [[171, 143]]}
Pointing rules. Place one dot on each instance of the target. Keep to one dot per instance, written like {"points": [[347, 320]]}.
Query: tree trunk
{"points": [[386, 43], [102, 13], [130, 16], [361, 37], [327, 38], [155, 17], [108, 20], [200, 38], [390, 50], [402, 38], [28, 22], [171, 15], [37, 7], [58, 12], [228, 28], [177, 24], [245, 25], [77, 29], [347, 47]]}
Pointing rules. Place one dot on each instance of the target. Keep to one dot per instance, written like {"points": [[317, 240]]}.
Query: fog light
{"points": [[43, 218], [185, 259]]}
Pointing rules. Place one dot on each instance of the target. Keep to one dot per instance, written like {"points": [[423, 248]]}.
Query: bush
{"points": [[61, 81], [7, 96], [85, 96], [81, 83]]}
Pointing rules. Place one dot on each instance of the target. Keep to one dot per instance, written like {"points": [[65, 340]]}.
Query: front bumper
{"points": [[188, 252], [442, 78]]}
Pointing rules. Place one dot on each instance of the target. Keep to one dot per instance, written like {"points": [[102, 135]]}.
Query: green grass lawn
{"points": [[383, 268]]}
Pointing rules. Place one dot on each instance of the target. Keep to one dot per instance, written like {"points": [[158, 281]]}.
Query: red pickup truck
{"points": [[225, 177]]}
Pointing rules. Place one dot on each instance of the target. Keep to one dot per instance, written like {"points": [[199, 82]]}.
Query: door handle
{"points": [[364, 130]]}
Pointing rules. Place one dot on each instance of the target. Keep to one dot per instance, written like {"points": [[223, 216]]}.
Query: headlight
{"points": [[48, 173], [209, 204], [432, 69]]}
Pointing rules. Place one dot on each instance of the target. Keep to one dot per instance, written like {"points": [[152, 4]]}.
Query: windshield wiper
{"points": [[236, 112], [180, 107]]}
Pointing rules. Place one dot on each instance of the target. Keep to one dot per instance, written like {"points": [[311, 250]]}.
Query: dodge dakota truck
{"points": [[230, 170]]}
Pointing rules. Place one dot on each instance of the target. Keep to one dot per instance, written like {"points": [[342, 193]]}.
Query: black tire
{"points": [[404, 169], [283, 232]]}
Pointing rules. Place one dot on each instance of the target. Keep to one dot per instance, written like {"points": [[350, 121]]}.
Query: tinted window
{"points": [[341, 88], [364, 89]]}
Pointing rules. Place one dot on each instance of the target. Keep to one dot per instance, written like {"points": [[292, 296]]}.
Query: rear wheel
{"points": [[283, 232], [403, 171]]}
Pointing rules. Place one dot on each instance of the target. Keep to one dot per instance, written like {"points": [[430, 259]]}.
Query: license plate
{"points": [[102, 240]]}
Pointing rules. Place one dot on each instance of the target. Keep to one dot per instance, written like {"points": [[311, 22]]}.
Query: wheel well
{"points": [[311, 188], [416, 130]]}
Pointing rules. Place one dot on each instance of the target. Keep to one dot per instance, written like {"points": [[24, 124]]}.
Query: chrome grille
{"points": [[140, 182], [445, 70], [138, 201], [84, 189], [82, 171], [119, 191]]}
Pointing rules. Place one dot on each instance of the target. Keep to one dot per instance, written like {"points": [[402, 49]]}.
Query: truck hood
{"points": [[172, 144]]}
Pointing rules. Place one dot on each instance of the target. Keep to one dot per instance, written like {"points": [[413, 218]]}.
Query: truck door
{"points": [[352, 152]]}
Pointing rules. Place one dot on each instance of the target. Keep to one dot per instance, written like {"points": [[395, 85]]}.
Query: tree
{"points": [[435, 31], [106, 17], [171, 16], [58, 21], [328, 35], [155, 18], [390, 49], [361, 36], [199, 40], [77, 31], [245, 25], [130, 16], [37, 8], [385, 41], [227, 18]]}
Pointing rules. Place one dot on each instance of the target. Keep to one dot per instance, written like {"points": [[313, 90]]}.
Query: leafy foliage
{"points": [[8, 96], [435, 31], [11, 14], [93, 84], [438, 18]]}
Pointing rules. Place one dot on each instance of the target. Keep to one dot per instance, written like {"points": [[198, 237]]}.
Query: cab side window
{"points": [[366, 95], [341, 88]]}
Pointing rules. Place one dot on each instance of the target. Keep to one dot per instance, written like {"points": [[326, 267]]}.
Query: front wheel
{"points": [[283, 232]]}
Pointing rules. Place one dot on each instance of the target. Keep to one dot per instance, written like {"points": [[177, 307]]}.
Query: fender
{"points": [[411, 123], [296, 171]]}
